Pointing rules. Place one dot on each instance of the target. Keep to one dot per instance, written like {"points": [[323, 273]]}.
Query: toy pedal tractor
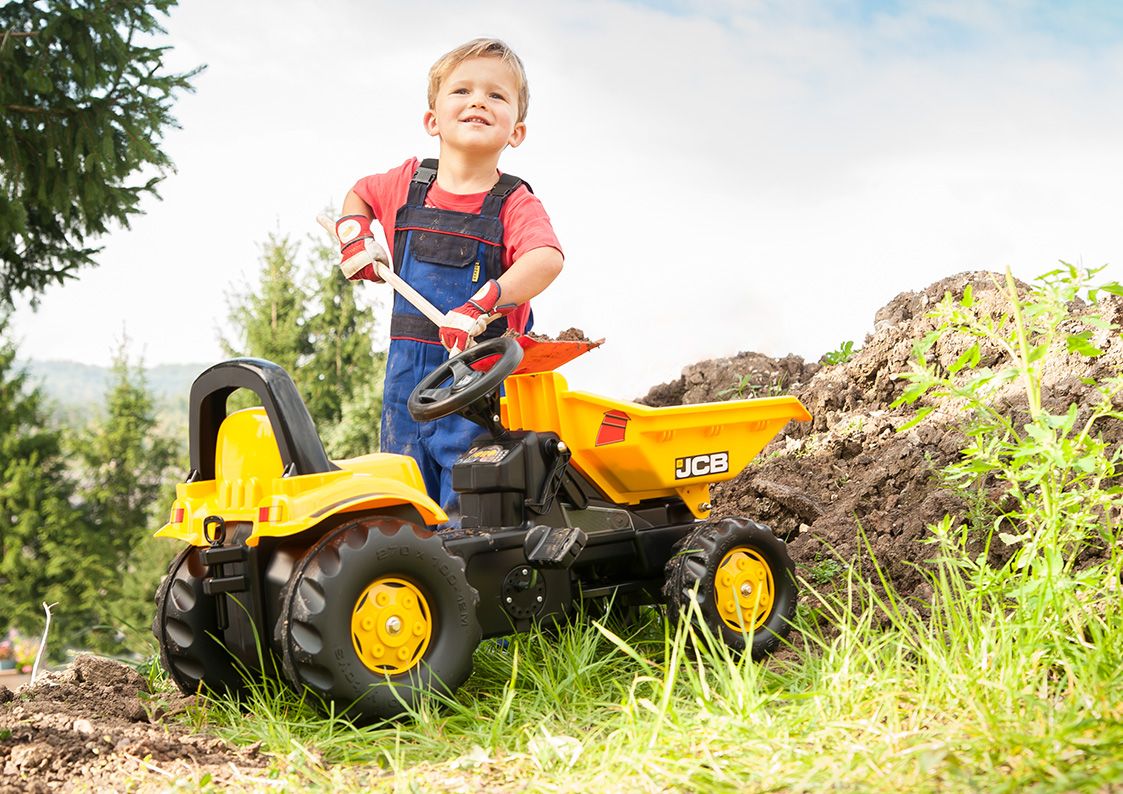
{"points": [[565, 497]]}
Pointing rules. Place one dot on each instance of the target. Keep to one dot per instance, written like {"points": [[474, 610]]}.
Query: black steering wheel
{"points": [[454, 385]]}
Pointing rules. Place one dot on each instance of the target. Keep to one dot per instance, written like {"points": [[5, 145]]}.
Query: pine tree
{"points": [[320, 336], [124, 494], [269, 317], [48, 553], [344, 373], [84, 103], [358, 430]]}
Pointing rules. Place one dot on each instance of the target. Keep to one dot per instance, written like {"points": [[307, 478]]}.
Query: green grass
{"points": [[983, 692]]}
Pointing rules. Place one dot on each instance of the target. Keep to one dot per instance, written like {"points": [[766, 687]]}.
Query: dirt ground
{"points": [[95, 726]]}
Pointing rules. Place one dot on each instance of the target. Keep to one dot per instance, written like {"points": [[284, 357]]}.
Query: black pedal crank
{"points": [[214, 532]]}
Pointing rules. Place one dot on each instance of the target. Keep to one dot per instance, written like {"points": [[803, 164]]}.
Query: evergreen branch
{"points": [[26, 109], [112, 92], [15, 34]]}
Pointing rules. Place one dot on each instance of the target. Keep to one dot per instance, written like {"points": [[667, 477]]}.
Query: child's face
{"points": [[476, 108]]}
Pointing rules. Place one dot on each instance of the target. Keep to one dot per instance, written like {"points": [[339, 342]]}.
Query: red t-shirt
{"points": [[526, 225]]}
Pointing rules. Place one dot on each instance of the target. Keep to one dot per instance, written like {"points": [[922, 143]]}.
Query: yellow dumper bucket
{"points": [[634, 452]]}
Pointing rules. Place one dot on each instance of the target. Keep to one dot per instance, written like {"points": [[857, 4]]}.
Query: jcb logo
{"points": [[701, 465]]}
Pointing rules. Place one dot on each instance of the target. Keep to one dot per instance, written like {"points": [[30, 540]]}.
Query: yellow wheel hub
{"points": [[391, 626], [744, 590]]}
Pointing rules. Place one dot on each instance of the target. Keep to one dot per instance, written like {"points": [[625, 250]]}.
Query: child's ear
{"points": [[518, 135], [430, 122]]}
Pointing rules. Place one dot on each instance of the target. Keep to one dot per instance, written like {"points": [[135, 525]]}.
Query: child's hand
{"points": [[465, 323], [356, 246]]}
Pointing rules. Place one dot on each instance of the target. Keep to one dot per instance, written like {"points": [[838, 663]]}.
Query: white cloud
{"points": [[726, 177]]}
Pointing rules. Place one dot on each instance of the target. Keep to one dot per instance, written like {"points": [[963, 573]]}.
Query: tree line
{"points": [[79, 504], [85, 100]]}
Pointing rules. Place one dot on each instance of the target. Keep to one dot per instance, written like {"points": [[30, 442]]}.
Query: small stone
{"points": [[83, 726]]}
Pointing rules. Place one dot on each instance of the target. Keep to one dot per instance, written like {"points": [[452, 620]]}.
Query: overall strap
{"points": [[426, 173], [493, 201], [422, 178]]}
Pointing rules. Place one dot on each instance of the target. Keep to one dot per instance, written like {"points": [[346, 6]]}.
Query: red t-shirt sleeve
{"points": [[385, 193], [526, 226]]}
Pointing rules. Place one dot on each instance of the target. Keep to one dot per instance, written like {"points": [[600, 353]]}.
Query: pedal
{"points": [[553, 547], [225, 584], [216, 559], [221, 555]]}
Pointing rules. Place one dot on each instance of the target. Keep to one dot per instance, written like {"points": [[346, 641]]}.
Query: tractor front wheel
{"points": [[741, 578], [376, 614]]}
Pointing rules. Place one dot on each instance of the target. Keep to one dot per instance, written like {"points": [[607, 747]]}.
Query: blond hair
{"points": [[480, 48]]}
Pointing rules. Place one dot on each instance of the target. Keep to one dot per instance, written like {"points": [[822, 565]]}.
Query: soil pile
{"points": [[91, 728], [743, 376], [819, 481]]}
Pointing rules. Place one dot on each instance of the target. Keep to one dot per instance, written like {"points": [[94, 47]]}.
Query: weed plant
{"points": [[1005, 679], [841, 354], [1053, 464], [746, 387]]}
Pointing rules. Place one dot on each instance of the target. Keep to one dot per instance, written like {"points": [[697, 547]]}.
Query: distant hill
{"points": [[79, 390]]}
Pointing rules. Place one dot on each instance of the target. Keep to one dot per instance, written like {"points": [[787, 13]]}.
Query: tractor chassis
{"points": [[624, 565]]}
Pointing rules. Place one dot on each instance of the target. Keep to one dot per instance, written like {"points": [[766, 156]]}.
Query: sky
{"points": [[724, 176]]}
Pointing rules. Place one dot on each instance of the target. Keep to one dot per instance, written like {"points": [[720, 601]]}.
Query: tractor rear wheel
{"points": [[741, 578], [375, 615], [186, 628]]}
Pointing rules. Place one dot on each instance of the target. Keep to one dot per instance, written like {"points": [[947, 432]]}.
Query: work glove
{"points": [[358, 249], [464, 323]]}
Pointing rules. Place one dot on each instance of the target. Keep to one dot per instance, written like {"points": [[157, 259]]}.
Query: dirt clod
{"points": [[573, 335], [568, 335], [90, 727], [743, 376]]}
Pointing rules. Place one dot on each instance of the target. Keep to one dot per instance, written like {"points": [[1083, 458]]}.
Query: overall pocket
{"points": [[449, 250]]}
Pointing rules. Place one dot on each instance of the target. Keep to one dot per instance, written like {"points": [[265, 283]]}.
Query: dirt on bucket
{"points": [[568, 335]]}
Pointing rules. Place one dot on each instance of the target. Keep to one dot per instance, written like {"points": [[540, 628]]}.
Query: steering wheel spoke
{"points": [[462, 375], [430, 396]]}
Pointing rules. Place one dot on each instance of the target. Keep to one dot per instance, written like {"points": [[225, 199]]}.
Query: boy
{"points": [[472, 241]]}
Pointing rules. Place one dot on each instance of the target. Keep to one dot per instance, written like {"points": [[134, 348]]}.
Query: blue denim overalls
{"points": [[446, 256]]}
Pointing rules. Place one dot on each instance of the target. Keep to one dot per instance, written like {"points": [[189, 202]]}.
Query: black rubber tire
{"points": [[186, 627], [314, 628], [693, 566]]}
